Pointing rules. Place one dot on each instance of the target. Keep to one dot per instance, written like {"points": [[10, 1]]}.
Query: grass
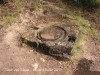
{"points": [[8, 17], [5, 12], [83, 25], [81, 22], [94, 32], [61, 3], [88, 4], [8, 20], [84, 30], [65, 16], [68, 10], [18, 5], [37, 3]]}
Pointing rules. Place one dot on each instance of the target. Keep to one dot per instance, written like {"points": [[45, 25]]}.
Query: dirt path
{"points": [[24, 60]]}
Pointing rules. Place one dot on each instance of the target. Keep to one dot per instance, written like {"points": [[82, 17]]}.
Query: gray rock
{"points": [[55, 40]]}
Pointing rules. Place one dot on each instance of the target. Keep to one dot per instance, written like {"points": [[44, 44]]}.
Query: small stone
{"points": [[42, 59], [35, 66], [60, 63]]}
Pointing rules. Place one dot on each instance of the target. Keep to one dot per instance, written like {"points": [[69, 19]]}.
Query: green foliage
{"points": [[66, 16], [8, 20], [61, 3], [83, 25], [8, 17], [18, 4], [74, 51], [63, 16], [5, 12], [88, 3], [81, 22], [37, 2], [94, 33]]}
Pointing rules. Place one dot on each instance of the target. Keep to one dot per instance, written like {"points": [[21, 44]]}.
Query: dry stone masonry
{"points": [[55, 40]]}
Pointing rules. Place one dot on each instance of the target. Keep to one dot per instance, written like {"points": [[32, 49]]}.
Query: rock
{"points": [[55, 40], [35, 66], [42, 59]]}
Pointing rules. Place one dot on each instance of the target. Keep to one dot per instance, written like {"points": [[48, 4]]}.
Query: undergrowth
{"points": [[94, 32], [83, 24], [61, 3], [8, 21], [8, 17], [84, 30], [89, 5], [18, 5], [36, 5]]}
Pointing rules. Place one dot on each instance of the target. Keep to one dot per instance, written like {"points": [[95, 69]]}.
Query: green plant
{"points": [[63, 16], [18, 5], [68, 10], [61, 3], [83, 25], [74, 52], [5, 12], [94, 33], [88, 3], [36, 4], [8, 20], [77, 44], [66, 16], [8, 17]]}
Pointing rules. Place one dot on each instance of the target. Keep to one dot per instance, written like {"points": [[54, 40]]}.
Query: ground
{"points": [[17, 59]]}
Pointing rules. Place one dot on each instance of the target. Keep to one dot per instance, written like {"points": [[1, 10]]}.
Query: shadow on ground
{"points": [[1, 2], [83, 68], [43, 49]]}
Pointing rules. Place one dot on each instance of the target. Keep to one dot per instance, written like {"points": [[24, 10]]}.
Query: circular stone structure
{"points": [[55, 40], [52, 33]]}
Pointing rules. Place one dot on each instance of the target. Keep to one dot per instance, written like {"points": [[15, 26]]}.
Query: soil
{"points": [[17, 59]]}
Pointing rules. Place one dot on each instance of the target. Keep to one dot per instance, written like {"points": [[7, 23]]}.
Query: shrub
{"points": [[88, 3]]}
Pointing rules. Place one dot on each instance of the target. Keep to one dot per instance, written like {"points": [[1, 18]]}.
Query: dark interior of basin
{"points": [[72, 38]]}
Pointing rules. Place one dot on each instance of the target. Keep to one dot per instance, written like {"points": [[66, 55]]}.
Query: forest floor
{"points": [[24, 60]]}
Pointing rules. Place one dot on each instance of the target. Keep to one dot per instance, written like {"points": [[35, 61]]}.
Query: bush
{"points": [[88, 3]]}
